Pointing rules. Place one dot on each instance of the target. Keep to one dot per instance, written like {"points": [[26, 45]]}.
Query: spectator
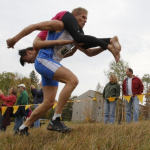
{"points": [[9, 101], [38, 99], [132, 85], [112, 89], [22, 100], [29, 113]]}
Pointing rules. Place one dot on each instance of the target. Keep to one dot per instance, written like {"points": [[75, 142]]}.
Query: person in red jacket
{"points": [[8, 101], [133, 86]]}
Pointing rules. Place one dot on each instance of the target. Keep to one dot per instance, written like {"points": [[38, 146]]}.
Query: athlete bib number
{"points": [[63, 51]]}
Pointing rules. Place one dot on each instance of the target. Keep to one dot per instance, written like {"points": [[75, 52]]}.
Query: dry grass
{"points": [[85, 136]]}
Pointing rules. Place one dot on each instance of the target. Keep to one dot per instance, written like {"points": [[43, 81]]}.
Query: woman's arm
{"points": [[38, 92], [72, 53], [8, 98], [53, 25], [38, 43]]}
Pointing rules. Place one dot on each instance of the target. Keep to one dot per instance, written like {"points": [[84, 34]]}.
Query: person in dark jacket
{"points": [[38, 99], [132, 86], [112, 89], [8, 101], [22, 100]]}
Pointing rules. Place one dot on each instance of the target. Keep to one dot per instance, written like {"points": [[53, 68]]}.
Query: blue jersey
{"points": [[58, 52], [47, 61]]}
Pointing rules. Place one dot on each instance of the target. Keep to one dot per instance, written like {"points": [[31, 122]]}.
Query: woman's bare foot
{"points": [[115, 53], [115, 42]]}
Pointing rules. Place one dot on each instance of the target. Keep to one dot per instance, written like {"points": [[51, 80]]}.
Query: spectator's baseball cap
{"points": [[21, 85]]}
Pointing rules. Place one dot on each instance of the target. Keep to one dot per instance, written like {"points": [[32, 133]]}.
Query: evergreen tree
{"points": [[97, 95], [34, 78], [67, 111], [49, 114], [99, 89], [33, 81]]}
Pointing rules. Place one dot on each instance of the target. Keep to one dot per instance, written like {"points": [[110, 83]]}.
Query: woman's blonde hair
{"points": [[114, 78], [79, 11]]}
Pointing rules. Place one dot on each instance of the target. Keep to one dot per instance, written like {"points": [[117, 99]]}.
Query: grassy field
{"points": [[85, 136]]}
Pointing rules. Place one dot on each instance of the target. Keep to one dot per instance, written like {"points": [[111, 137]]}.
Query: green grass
{"points": [[85, 136]]}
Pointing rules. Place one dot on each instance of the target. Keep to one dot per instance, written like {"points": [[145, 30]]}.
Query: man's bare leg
{"points": [[49, 99], [115, 42], [62, 75], [66, 76]]}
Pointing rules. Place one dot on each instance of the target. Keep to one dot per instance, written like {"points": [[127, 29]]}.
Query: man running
{"points": [[47, 63]]}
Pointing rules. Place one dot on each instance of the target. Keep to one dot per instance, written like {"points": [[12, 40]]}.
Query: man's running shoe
{"points": [[24, 131], [58, 125]]}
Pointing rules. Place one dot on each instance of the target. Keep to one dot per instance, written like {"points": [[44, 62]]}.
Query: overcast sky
{"points": [[128, 19]]}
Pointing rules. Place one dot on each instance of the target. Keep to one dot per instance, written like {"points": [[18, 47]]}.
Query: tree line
{"points": [[9, 79]]}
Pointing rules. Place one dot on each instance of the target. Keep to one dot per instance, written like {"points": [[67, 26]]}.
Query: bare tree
{"points": [[87, 112], [146, 82], [118, 68], [100, 100]]}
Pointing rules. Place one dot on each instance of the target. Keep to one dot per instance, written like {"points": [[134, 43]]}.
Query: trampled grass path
{"points": [[85, 136]]}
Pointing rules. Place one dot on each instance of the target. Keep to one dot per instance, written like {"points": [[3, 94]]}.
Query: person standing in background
{"points": [[112, 89], [132, 86], [22, 100], [8, 101], [38, 99]]}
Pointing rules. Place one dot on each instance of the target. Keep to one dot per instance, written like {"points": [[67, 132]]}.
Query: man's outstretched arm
{"points": [[53, 25]]}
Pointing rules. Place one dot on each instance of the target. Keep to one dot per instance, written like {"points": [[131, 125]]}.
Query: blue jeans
{"points": [[36, 123], [135, 102], [18, 121], [109, 109]]}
